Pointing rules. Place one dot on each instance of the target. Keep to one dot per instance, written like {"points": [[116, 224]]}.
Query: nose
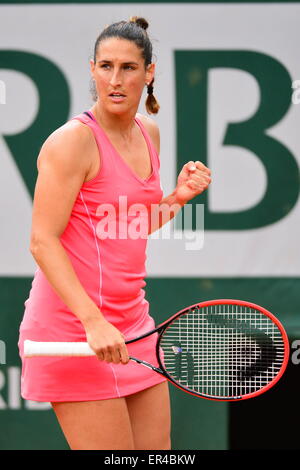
{"points": [[116, 79]]}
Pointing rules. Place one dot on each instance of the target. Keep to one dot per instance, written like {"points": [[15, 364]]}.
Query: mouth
{"points": [[116, 93], [116, 96]]}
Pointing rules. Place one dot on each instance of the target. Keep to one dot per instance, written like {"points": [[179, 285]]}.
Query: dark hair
{"points": [[133, 30]]}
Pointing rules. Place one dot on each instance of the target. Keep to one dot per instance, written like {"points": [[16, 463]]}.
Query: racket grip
{"points": [[36, 348]]}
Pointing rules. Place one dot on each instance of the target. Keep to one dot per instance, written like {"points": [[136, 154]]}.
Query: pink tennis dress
{"points": [[106, 242]]}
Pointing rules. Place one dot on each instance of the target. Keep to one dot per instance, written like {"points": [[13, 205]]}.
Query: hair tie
{"points": [[150, 89]]}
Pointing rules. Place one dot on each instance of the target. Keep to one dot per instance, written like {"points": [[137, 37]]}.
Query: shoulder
{"points": [[67, 144], [70, 134], [152, 129]]}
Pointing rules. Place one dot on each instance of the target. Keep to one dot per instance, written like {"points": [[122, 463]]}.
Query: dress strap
{"points": [[89, 114], [148, 140]]}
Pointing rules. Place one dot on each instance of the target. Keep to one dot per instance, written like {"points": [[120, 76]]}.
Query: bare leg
{"points": [[96, 425], [150, 417]]}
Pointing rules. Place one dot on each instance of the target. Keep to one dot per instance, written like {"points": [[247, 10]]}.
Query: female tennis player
{"points": [[88, 286]]}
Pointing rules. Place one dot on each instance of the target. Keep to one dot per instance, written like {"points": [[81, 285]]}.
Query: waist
{"points": [[61, 324]]}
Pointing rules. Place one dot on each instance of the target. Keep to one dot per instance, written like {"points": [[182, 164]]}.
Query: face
{"points": [[120, 75]]}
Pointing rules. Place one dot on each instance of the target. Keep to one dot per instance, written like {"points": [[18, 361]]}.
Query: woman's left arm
{"points": [[193, 179]]}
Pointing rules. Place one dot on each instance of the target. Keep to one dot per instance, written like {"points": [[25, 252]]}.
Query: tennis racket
{"points": [[224, 350]]}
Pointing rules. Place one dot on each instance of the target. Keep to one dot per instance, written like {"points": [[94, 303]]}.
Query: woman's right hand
{"points": [[106, 341]]}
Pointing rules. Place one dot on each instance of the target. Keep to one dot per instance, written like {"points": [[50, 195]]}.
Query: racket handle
{"points": [[36, 348]]}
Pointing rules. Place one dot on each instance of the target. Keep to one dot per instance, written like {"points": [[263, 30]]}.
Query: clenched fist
{"points": [[193, 179]]}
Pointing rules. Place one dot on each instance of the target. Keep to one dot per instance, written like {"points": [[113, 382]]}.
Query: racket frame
{"points": [[160, 329]]}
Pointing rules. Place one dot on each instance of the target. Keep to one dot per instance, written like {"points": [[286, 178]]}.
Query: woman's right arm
{"points": [[63, 164]]}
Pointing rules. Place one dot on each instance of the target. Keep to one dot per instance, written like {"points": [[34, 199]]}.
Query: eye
{"points": [[128, 67], [105, 66]]}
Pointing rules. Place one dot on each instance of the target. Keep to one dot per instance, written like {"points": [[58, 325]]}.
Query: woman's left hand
{"points": [[193, 179]]}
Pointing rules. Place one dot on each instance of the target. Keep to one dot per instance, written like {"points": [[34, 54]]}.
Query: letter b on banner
{"points": [[274, 82]]}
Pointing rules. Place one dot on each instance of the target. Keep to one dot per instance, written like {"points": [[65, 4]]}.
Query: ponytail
{"points": [[152, 105]]}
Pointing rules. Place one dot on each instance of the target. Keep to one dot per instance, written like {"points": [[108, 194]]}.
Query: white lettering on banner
{"points": [[10, 392], [37, 405], [2, 352], [13, 393]]}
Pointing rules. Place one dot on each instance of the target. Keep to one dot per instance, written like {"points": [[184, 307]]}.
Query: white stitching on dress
{"points": [[98, 250], [116, 380], [100, 277]]}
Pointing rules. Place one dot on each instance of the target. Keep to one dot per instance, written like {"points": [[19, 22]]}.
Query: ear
{"points": [[150, 72], [92, 67]]}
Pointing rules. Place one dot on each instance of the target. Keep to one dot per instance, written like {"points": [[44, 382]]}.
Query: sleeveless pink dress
{"points": [[110, 263]]}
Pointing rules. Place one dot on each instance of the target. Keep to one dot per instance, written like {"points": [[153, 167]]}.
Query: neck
{"points": [[121, 124]]}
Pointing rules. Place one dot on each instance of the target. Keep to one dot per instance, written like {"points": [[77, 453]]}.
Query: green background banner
{"points": [[224, 82]]}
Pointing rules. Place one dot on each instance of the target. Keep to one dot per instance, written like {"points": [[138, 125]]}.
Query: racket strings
{"points": [[222, 351]]}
